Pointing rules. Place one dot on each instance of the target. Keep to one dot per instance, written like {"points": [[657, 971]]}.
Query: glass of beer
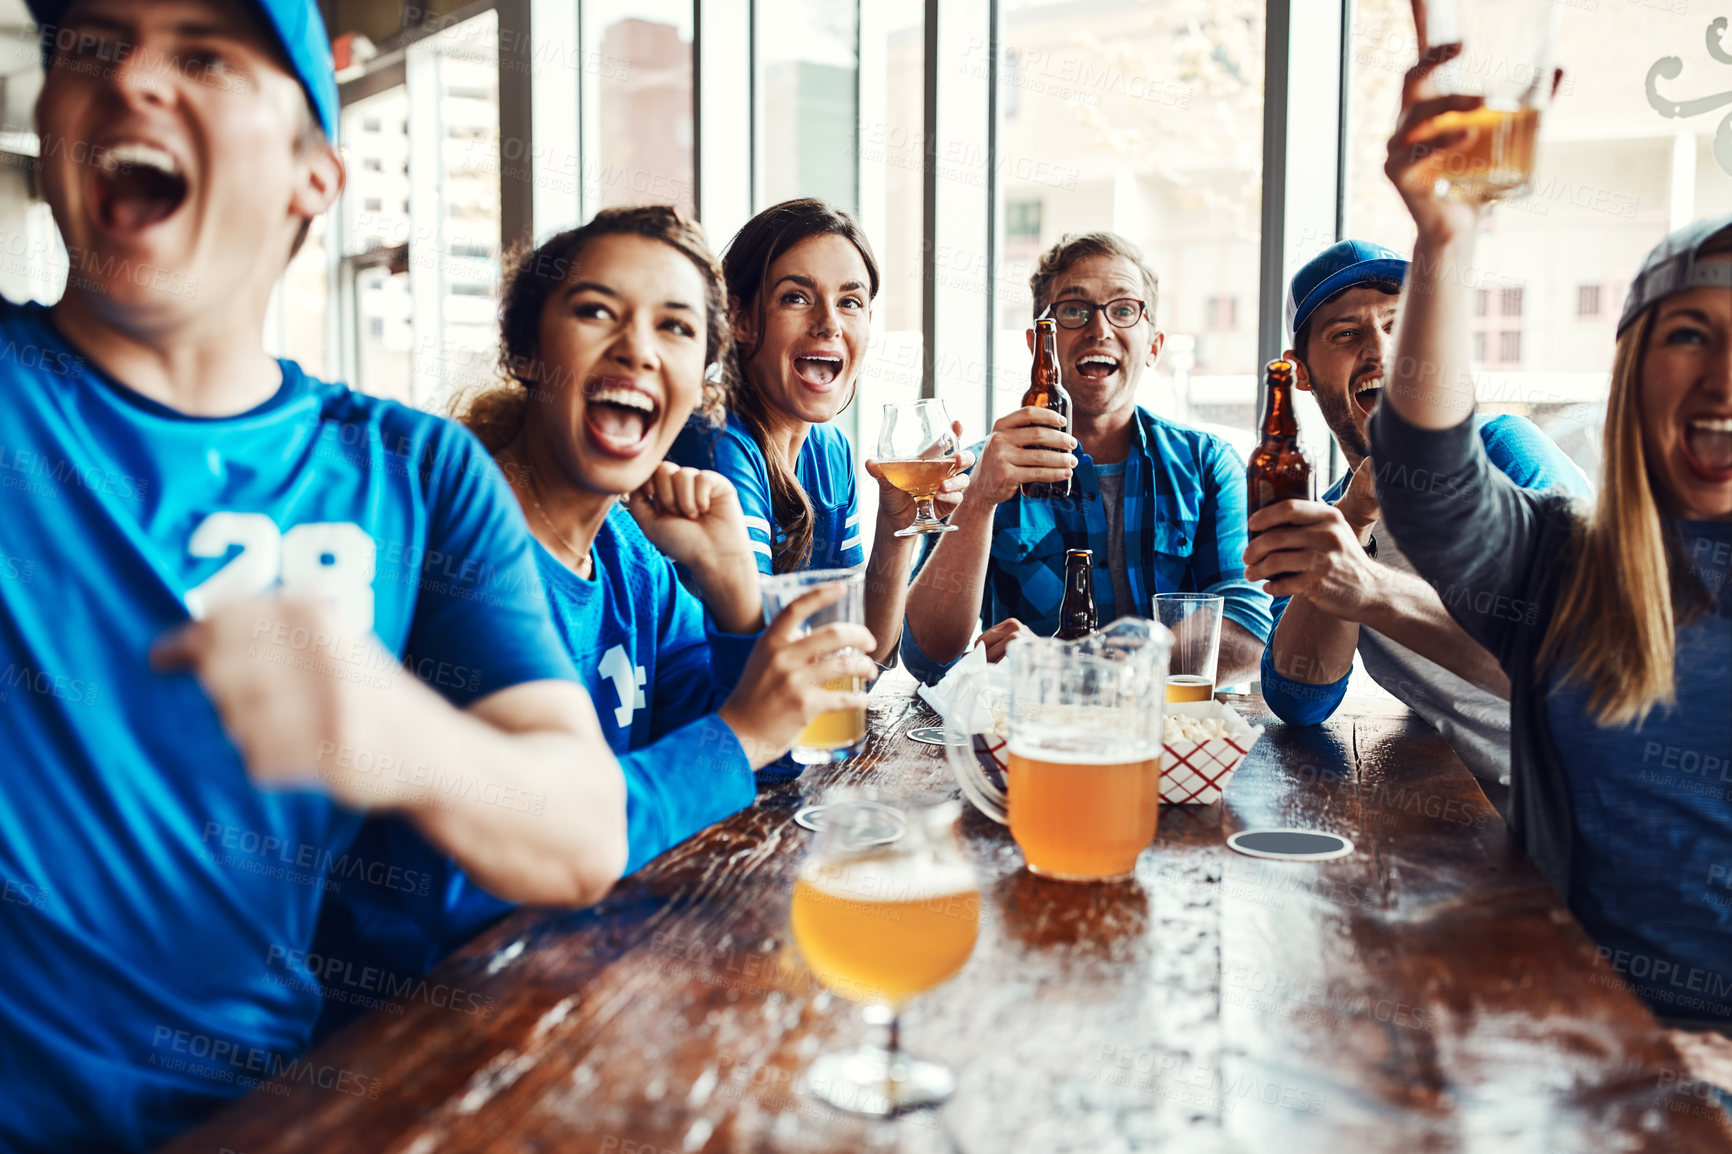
{"points": [[1195, 619], [1083, 772], [835, 735], [1507, 56], [917, 451], [880, 916]]}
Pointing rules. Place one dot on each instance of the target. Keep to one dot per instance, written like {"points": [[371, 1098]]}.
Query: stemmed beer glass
{"points": [[882, 912], [917, 451]]}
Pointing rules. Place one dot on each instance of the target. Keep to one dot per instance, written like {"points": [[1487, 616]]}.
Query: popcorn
{"points": [[1187, 728], [1205, 742]]}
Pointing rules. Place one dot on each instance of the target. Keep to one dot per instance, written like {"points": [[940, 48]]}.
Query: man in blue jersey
{"points": [[239, 576], [1341, 583], [1162, 505]]}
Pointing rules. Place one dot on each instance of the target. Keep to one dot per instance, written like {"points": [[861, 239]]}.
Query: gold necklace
{"points": [[585, 563]]}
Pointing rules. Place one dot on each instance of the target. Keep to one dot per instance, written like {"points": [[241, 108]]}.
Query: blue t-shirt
{"points": [[656, 669], [825, 471], [1653, 805], [1518, 449], [155, 900]]}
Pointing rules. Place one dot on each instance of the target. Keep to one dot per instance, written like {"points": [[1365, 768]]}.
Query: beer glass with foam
{"points": [[917, 451], [1507, 56], [1083, 773], [883, 911]]}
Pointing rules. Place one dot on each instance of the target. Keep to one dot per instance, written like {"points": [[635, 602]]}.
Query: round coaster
{"points": [[1290, 844], [927, 734], [882, 824]]}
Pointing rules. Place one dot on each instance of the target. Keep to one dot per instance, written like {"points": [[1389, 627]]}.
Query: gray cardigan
{"points": [[1496, 554]]}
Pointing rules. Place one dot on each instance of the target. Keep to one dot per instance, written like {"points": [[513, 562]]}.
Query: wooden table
{"points": [[1427, 993]]}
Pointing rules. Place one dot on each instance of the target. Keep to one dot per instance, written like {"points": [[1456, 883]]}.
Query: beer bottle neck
{"points": [[1278, 417]]}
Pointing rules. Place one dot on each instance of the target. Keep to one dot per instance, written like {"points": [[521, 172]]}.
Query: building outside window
{"points": [[643, 70], [1222, 314], [1021, 219], [1509, 344], [1612, 177], [1144, 117]]}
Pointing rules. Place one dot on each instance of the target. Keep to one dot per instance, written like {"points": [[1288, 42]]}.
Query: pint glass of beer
{"points": [[834, 735], [1084, 766], [1195, 621], [1508, 52]]}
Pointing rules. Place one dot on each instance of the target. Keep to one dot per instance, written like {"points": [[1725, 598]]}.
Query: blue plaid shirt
{"points": [[1184, 530]]}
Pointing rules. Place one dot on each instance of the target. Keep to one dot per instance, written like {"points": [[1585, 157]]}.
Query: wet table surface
{"points": [[1427, 993]]}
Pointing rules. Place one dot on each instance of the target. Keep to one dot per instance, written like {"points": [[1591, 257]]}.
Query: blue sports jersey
{"points": [[825, 471], [156, 902], [657, 670]]}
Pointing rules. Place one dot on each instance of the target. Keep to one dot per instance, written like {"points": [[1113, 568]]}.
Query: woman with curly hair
{"points": [[613, 334]]}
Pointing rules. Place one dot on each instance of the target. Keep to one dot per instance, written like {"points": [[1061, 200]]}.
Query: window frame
{"points": [[1305, 115]]}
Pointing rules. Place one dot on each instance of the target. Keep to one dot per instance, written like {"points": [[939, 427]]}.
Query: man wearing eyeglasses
{"points": [[1162, 505]]}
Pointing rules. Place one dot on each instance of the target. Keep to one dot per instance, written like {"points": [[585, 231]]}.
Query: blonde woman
{"points": [[1613, 623]]}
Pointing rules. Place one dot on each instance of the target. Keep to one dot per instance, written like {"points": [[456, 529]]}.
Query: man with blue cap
{"points": [[216, 570], [1341, 584]]}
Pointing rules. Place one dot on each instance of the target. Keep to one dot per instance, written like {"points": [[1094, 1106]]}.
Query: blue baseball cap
{"points": [[1343, 265], [300, 32]]}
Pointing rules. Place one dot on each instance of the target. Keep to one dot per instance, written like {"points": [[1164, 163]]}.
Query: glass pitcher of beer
{"points": [[1083, 777]]}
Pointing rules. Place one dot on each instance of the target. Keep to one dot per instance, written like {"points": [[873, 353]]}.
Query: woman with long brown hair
{"points": [[612, 334], [801, 281], [1614, 624]]}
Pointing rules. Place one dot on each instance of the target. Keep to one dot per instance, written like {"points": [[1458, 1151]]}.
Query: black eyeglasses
{"points": [[1076, 314]]}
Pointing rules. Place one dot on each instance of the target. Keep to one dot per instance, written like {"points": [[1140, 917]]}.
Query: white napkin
{"points": [[964, 696]]}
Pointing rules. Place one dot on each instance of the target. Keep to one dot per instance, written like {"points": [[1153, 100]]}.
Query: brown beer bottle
{"points": [[1047, 390], [1279, 470], [1076, 613]]}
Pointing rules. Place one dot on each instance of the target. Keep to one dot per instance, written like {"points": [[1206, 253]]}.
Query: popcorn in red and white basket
{"points": [[1200, 759]]}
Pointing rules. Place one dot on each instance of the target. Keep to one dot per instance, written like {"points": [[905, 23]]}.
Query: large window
{"points": [[1612, 177], [807, 93], [643, 71], [375, 245], [419, 257], [1143, 117]]}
